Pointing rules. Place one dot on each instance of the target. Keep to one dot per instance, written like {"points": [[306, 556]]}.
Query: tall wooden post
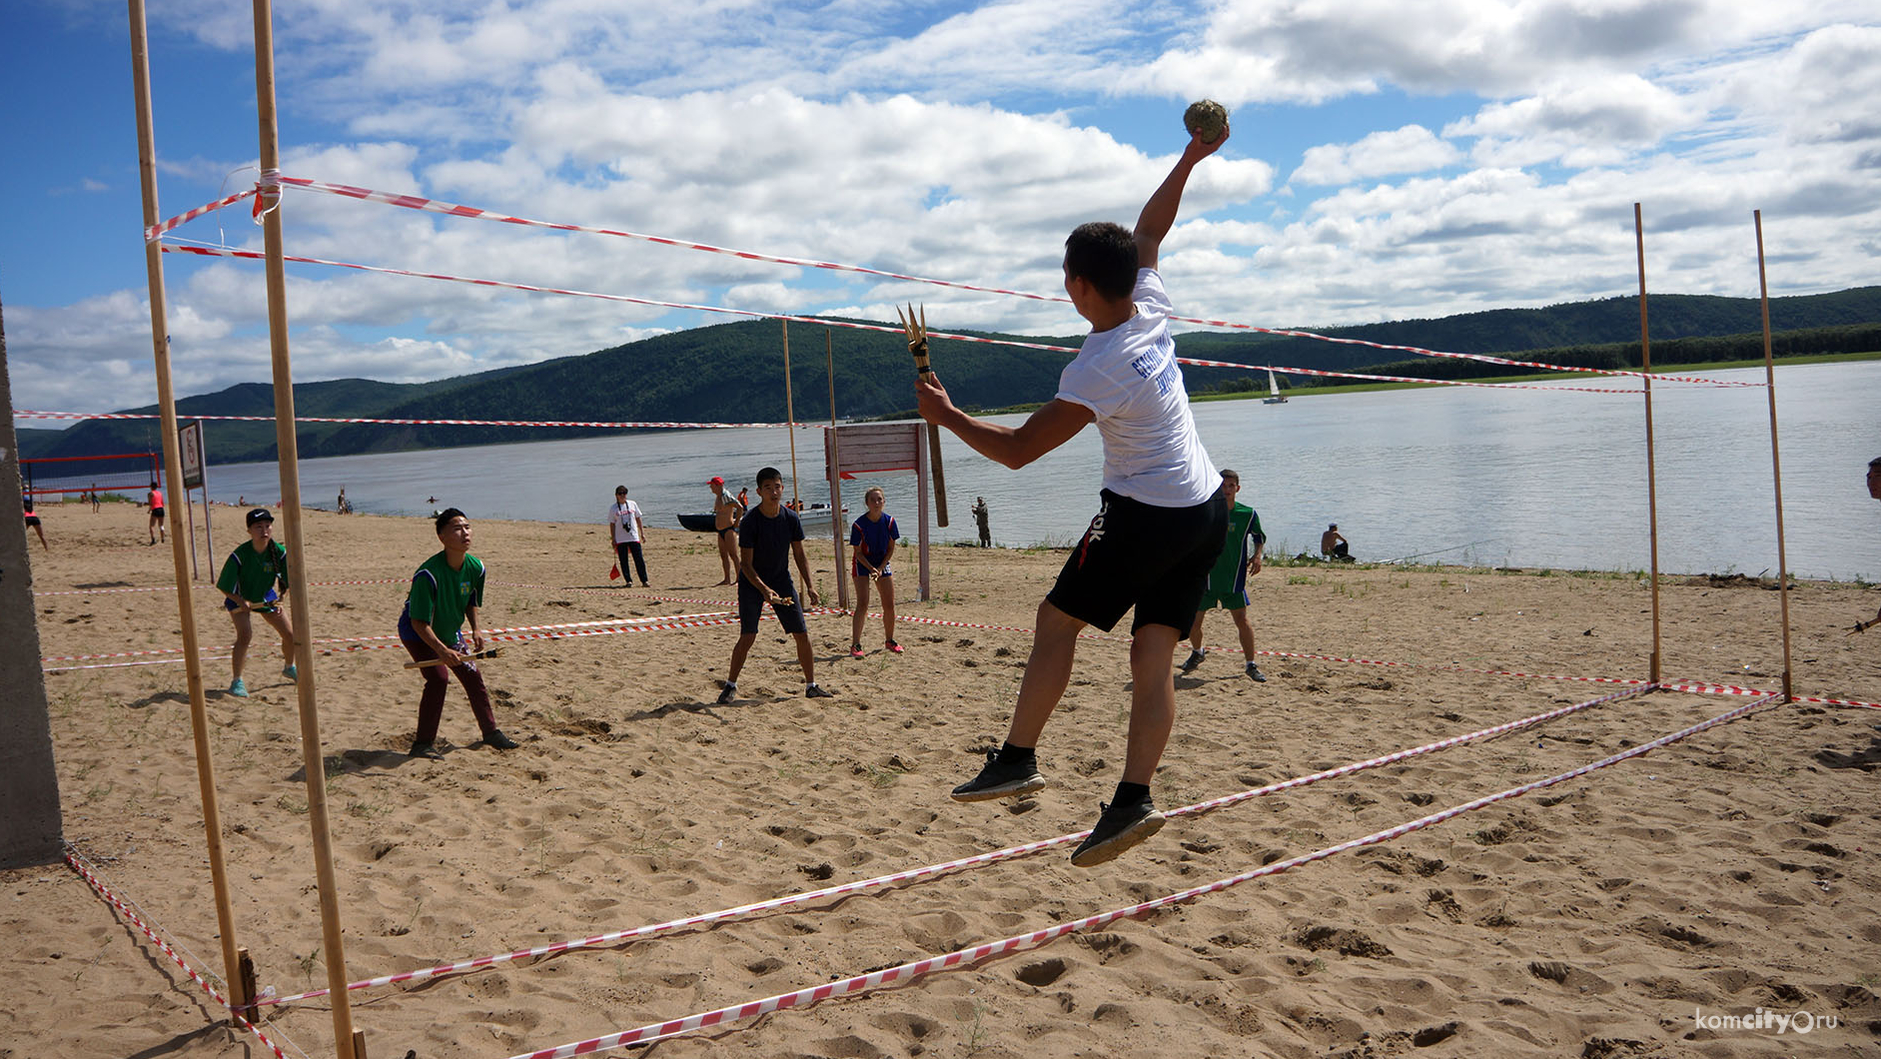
{"points": [[1652, 480], [286, 443], [1776, 462], [790, 416], [173, 471], [836, 476]]}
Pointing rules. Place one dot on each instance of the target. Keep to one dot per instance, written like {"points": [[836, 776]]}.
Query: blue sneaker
{"points": [[291, 673], [238, 689]]}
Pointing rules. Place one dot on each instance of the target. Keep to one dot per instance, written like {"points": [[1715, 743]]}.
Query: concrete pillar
{"points": [[30, 831]]}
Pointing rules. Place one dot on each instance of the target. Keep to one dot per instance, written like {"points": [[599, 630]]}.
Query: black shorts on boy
{"points": [[751, 608], [1135, 554]]}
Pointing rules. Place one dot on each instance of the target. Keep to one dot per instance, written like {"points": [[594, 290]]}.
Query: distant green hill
{"points": [[734, 373]]}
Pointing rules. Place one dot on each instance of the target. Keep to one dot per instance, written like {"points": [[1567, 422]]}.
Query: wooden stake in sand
{"points": [[173, 469], [1652, 480], [1776, 462], [333, 948]]}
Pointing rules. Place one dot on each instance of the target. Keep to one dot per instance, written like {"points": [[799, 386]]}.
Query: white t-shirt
{"points": [[1128, 377], [624, 517]]}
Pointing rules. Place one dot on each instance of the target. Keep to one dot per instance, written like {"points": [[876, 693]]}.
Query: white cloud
{"points": [[1411, 149], [959, 142]]}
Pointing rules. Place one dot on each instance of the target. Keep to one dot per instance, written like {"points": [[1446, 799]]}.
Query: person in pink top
{"points": [[155, 499]]}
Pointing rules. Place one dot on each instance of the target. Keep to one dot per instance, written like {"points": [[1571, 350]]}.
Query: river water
{"points": [[1447, 475]]}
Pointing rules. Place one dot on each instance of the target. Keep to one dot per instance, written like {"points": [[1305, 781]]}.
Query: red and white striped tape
{"points": [[91, 879], [419, 202], [489, 634], [979, 860], [156, 231], [613, 424], [253, 255], [909, 972]]}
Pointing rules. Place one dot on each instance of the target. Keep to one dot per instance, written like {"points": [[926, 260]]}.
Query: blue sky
{"points": [[1388, 160]]}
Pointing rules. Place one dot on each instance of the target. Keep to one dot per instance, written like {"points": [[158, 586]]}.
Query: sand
{"points": [[1610, 915]]}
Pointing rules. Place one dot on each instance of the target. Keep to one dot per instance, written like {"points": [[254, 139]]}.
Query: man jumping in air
{"points": [[1162, 519]]}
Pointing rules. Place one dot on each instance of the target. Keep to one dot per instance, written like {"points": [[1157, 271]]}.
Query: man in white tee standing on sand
{"points": [[1158, 531], [625, 527]]}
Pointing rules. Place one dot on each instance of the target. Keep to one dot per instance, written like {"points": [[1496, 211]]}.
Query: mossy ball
{"points": [[1205, 118]]}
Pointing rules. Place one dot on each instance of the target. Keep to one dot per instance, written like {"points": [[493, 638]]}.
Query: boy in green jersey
{"points": [[1227, 582], [249, 579], [445, 593]]}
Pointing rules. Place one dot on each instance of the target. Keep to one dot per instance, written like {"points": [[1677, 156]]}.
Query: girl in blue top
{"points": [[873, 537]]}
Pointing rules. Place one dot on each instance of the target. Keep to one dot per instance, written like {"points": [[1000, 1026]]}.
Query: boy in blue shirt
{"points": [[768, 538]]}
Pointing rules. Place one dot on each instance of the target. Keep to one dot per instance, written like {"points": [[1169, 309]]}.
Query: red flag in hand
{"points": [[613, 573]]}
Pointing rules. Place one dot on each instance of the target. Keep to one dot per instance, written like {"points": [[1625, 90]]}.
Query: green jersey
{"points": [[1230, 572], [250, 575], [440, 595]]}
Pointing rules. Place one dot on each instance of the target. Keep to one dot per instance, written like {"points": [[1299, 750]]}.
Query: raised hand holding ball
{"points": [[1206, 119]]}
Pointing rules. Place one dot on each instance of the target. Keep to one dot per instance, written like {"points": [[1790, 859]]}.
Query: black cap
{"points": [[260, 514]]}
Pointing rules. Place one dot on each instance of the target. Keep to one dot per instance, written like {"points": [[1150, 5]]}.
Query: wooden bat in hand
{"points": [[917, 345], [488, 652]]}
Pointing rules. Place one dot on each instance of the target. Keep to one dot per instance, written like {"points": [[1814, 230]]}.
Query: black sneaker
{"points": [[1254, 673], [1119, 827], [497, 739], [729, 695], [429, 750], [1195, 659], [817, 691], [999, 781]]}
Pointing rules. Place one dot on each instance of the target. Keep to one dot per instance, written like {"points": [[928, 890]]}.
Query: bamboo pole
{"points": [[173, 469], [311, 758], [836, 474], [790, 419], [1652, 480], [1776, 462]]}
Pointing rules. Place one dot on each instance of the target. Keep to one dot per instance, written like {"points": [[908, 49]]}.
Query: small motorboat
{"points": [[702, 523]]}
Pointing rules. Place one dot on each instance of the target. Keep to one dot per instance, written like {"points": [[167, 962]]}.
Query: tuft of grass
{"points": [[976, 1032]]}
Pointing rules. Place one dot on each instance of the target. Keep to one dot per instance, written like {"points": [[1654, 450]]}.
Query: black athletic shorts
{"points": [[1135, 554], [751, 606]]}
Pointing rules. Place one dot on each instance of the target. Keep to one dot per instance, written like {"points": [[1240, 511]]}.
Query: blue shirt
{"points": [[770, 538], [873, 536]]}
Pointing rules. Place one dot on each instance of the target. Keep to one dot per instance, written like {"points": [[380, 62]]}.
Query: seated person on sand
{"points": [[1332, 545]]}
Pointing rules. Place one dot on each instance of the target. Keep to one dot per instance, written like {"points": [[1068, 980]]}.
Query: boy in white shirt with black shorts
{"points": [[1158, 531]]}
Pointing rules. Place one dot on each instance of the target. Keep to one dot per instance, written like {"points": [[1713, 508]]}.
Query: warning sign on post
{"points": [[189, 444]]}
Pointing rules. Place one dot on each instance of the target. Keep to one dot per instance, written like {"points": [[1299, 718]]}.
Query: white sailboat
{"points": [[1273, 390]]}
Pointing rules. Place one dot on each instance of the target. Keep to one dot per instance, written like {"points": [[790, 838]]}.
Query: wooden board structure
{"points": [[872, 449]]}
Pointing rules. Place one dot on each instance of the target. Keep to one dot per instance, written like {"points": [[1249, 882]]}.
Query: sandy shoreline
{"points": [[1604, 916]]}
